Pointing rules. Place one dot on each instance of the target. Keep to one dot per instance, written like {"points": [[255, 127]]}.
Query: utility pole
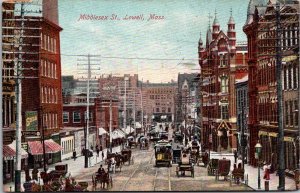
{"points": [[88, 72], [142, 107], [134, 125], [125, 110], [281, 169], [18, 72], [1, 96]]}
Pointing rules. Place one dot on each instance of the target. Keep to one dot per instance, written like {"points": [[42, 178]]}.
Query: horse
{"points": [[112, 164], [102, 178]]}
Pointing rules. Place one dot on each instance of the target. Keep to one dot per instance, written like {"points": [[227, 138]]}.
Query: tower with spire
{"points": [[231, 33], [216, 26]]}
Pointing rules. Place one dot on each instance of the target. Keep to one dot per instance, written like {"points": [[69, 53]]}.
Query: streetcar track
{"points": [[138, 166]]}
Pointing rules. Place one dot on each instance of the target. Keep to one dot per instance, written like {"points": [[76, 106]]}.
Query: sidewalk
{"points": [[252, 173], [74, 167]]}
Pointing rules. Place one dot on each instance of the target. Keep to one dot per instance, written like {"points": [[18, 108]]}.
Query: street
{"points": [[143, 176]]}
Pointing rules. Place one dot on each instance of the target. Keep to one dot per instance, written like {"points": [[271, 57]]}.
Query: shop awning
{"points": [[23, 152], [117, 134], [8, 153], [102, 131], [36, 147]]}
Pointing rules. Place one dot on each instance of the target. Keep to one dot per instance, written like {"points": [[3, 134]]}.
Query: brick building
{"points": [[242, 111], [74, 116], [41, 95], [263, 112], [160, 100], [222, 62]]}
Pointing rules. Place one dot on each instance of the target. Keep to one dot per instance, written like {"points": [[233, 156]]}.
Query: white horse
{"points": [[113, 164]]}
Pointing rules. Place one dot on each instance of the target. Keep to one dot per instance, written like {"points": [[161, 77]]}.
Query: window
{"points": [[55, 71], [54, 45], [41, 68], [76, 117], [296, 112], [45, 68], [286, 113], [295, 77], [289, 77], [291, 113], [46, 95], [56, 125], [45, 42], [48, 43], [169, 110], [52, 95], [224, 84], [224, 111], [66, 117], [285, 77], [157, 110]]}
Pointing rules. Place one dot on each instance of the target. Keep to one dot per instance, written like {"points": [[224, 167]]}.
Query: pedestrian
{"points": [[267, 172], [74, 155], [92, 147], [35, 172], [235, 156], [101, 148], [102, 155], [98, 151]]}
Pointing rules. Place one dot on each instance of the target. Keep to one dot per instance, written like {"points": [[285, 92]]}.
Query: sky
{"points": [[164, 47]]}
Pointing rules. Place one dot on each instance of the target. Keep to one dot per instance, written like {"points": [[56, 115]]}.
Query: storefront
{"points": [[102, 134], [35, 150], [68, 146], [9, 153]]}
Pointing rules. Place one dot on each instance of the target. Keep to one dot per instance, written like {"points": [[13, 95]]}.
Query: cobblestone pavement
{"points": [[143, 176]]}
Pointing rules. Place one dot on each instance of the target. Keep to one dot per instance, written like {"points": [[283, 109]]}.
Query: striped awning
{"points": [[36, 147], [8, 153], [24, 154]]}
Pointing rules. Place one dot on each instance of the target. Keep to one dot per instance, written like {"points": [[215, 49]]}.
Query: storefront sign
{"points": [[31, 121]]}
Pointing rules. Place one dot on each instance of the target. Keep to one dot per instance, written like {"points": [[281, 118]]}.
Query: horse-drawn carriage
{"points": [[144, 143], [219, 167], [223, 168], [114, 161], [185, 165], [127, 157], [103, 178], [195, 153], [178, 137], [131, 142], [163, 153], [60, 171]]}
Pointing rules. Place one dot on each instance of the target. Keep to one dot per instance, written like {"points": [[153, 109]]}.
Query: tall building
{"points": [[263, 104], [187, 97], [42, 92], [222, 62], [160, 98], [8, 81]]}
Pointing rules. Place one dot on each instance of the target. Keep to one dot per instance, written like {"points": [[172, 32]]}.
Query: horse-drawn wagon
{"points": [[127, 157], [132, 142], [103, 178], [144, 143], [185, 165], [223, 168], [212, 167]]}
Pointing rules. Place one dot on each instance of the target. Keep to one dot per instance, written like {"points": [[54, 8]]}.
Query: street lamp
{"points": [[258, 148]]}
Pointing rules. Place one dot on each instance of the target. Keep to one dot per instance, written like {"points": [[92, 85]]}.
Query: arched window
{"points": [[224, 84]]}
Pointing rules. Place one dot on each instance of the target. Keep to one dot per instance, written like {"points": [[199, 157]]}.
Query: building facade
{"points": [[187, 102], [160, 100], [263, 112], [222, 62], [242, 110]]}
